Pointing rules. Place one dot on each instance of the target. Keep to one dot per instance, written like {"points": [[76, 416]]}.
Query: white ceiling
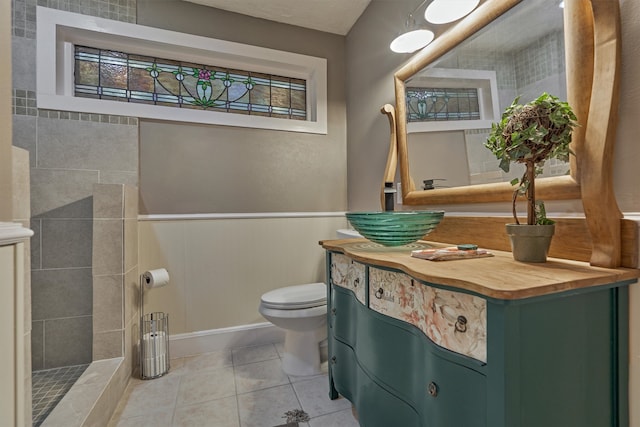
{"points": [[332, 16], [338, 16]]}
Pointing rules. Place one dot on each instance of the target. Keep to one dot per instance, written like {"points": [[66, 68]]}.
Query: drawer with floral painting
{"points": [[454, 320], [348, 274]]}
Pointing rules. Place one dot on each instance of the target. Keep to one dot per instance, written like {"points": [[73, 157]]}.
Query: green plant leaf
{"points": [[505, 164], [532, 133]]}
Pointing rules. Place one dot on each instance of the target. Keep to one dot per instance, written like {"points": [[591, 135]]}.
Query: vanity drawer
{"points": [[379, 408], [343, 315], [394, 353], [453, 320], [453, 395], [343, 369], [376, 406], [348, 274]]}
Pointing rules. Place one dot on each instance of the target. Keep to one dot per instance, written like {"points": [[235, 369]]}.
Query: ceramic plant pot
{"points": [[530, 243]]}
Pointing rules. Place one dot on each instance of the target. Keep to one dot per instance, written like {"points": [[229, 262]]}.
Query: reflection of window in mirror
{"points": [[520, 54], [451, 99], [437, 104]]}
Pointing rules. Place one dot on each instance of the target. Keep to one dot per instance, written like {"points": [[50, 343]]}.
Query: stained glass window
{"points": [[438, 104], [120, 76]]}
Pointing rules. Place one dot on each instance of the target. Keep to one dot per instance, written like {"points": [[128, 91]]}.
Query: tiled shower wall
{"points": [[115, 272], [526, 72], [69, 153]]}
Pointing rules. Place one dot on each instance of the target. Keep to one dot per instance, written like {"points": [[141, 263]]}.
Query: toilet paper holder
{"points": [[154, 330]]}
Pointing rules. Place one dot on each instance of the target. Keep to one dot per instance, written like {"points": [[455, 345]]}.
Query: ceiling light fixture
{"points": [[445, 11], [411, 41], [413, 38]]}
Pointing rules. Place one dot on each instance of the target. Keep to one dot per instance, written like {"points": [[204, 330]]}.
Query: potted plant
{"points": [[530, 134]]}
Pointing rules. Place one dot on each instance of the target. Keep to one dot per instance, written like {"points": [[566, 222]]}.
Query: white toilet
{"points": [[300, 310]]}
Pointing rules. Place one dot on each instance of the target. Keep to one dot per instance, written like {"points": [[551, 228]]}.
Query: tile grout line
{"points": [[295, 393], [235, 386], [175, 402]]}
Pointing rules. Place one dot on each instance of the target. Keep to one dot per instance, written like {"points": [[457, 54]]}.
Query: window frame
{"points": [[58, 32], [484, 81]]}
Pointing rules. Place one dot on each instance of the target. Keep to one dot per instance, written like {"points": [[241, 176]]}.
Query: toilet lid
{"points": [[296, 297]]}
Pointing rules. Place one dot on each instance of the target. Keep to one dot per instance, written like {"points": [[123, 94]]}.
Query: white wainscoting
{"points": [[220, 265]]}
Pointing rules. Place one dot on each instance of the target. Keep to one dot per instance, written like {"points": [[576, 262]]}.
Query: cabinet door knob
{"points": [[379, 293], [461, 324], [333, 311], [433, 389], [334, 360]]}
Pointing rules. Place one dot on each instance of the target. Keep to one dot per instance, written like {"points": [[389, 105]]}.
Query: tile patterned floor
{"points": [[49, 387], [245, 387]]}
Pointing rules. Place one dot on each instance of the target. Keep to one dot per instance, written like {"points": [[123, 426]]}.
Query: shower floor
{"points": [[49, 387]]}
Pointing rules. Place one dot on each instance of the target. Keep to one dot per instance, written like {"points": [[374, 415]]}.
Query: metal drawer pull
{"points": [[461, 324], [379, 293], [333, 311], [433, 389], [356, 282], [334, 360]]}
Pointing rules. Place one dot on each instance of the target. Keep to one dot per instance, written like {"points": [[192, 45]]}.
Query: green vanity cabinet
{"points": [[407, 352], [388, 368], [357, 386]]}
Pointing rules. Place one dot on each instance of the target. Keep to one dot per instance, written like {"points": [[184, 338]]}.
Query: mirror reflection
{"points": [[452, 102]]}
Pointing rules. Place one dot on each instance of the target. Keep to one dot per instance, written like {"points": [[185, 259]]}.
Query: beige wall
{"points": [[219, 268], [188, 168], [627, 154], [427, 153], [370, 68], [6, 211]]}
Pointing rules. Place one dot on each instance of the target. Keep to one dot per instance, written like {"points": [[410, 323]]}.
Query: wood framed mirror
{"points": [[592, 58]]}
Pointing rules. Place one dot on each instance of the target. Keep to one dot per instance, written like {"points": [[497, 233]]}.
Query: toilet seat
{"points": [[296, 297]]}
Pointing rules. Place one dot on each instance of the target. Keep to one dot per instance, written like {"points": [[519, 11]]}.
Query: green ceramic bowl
{"points": [[395, 228]]}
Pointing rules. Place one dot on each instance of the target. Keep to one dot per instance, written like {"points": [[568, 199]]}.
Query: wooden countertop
{"points": [[496, 277]]}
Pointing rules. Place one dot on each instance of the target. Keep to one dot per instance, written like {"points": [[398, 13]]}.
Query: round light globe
{"points": [[411, 41], [445, 11]]}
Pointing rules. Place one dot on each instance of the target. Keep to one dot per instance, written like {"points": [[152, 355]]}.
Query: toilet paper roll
{"points": [[154, 367], [156, 278], [155, 344], [154, 354]]}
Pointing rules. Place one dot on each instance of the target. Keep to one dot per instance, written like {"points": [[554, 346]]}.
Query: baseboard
{"points": [[189, 344]]}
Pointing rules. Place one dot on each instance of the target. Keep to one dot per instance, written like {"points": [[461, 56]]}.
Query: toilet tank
{"points": [[346, 233]]}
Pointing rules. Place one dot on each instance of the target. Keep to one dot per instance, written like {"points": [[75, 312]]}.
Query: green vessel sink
{"points": [[395, 228]]}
